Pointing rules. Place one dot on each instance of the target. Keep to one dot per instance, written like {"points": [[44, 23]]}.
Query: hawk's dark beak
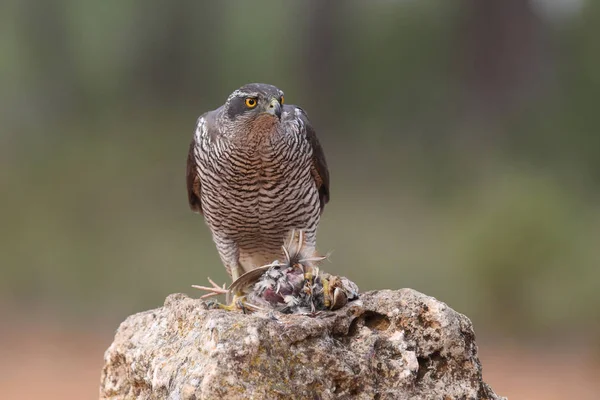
{"points": [[274, 108]]}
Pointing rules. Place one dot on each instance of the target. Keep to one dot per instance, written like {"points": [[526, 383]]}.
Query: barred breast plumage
{"points": [[256, 171]]}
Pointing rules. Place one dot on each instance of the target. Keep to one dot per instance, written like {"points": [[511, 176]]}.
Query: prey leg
{"points": [[213, 290], [238, 302]]}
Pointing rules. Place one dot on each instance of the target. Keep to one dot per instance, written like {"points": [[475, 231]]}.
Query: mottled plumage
{"points": [[256, 170], [295, 285]]}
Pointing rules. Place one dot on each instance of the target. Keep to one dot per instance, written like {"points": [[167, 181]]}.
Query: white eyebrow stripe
{"points": [[241, 93]]}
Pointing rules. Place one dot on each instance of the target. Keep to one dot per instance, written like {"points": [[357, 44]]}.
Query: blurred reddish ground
{"points": [[519, 372], [66, 365]]}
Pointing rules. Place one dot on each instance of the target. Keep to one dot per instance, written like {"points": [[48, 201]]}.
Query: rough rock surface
{"points": [[386, 345]]}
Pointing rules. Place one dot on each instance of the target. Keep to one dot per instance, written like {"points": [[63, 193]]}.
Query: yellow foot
{"points": [[238, 303]]}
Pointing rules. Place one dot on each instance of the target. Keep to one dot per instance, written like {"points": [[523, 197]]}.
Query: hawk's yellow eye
{"points": [[281, 100], [251, 102]]}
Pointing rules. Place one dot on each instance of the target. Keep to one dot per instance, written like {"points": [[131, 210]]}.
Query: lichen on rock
{"points": [[386, 345]]}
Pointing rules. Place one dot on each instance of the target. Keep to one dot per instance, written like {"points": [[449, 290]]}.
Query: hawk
{"points": [[256, 171]]}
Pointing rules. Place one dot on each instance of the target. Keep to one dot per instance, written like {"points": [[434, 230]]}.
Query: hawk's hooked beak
{"points": [[274, 108]]}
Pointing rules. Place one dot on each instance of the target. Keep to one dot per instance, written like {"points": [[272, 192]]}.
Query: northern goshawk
{"points": [[256, 171]]}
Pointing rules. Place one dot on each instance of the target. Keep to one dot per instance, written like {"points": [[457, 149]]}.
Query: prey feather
{"points": [[296, 284]]}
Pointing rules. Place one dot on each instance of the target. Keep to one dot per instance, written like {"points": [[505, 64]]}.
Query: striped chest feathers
{"points": [[260, 169]]}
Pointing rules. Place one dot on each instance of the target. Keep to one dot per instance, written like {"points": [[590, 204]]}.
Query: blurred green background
{"points": [[463, 141]]}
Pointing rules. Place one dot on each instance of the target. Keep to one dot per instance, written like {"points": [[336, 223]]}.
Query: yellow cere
{"points": [[281, 100]]}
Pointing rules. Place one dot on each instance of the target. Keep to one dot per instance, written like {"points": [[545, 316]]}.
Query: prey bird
{"points": [[256, 171], [294, 286]]}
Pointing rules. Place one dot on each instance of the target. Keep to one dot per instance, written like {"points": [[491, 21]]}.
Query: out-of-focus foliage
{"points": [[462, 138]]}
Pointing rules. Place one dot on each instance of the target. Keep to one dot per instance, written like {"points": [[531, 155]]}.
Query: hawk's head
{"points": [[255, 103]]}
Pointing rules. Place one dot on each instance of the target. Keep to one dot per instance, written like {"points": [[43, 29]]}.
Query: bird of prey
{"points": [[256, 171]]}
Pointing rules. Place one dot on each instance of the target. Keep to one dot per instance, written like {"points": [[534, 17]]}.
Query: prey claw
{"points": [[213, 290]]}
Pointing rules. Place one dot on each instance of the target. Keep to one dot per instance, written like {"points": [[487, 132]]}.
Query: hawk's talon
{"points": [[238, 303], [213, 304]]}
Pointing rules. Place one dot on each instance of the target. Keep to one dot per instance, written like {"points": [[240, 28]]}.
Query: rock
{"points": [[386, 345]]}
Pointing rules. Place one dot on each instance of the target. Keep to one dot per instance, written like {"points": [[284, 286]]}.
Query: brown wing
{"points": [[205, 126], [319, 170], [193, 180]]}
